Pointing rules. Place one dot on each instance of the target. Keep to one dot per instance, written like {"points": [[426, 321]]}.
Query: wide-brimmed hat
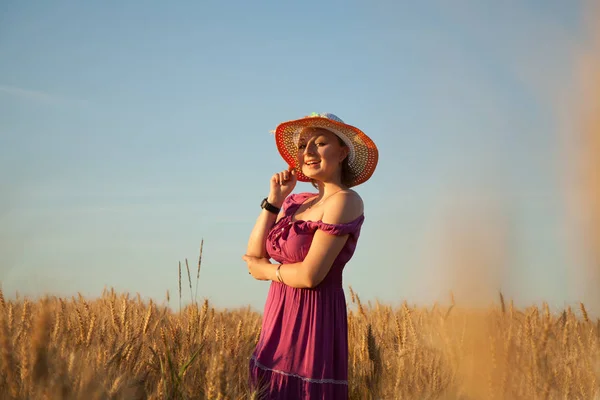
{"points": [[363, 154]]}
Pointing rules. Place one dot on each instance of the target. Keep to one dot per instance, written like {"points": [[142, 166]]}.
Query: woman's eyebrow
{"points": [[313, 138]]}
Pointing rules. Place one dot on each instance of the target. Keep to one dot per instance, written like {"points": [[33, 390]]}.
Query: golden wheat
{"points": [[83, 348]]}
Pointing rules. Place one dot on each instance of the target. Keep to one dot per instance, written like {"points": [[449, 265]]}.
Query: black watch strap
{"points": [[269, 207]]}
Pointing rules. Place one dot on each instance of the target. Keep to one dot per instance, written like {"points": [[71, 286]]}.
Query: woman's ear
{"points": [[344, 154]]}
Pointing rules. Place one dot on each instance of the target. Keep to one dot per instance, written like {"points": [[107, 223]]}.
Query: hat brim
{"points": [[363, 150]]}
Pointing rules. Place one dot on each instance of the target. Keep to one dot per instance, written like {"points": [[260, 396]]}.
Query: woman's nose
{"points": [[309, 149]]}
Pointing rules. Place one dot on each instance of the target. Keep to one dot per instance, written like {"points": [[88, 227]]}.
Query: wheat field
{"points": [[120, 347]]}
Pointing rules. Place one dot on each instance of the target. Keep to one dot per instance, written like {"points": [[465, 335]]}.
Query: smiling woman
{"points": [[326, 141], [302, 352]]}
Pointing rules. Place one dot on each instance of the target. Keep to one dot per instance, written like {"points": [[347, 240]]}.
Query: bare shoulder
{"points": [[343, 207]]}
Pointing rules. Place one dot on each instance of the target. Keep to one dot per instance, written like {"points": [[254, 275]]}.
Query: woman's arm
{"points": [[264, 223], [282, 184], [310, 273]]}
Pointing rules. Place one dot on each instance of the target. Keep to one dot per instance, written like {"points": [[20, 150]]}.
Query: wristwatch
{"points": [[269, 207]]}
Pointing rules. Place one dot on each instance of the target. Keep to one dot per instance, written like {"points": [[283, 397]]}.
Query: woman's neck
{"points": [[329, 188]]}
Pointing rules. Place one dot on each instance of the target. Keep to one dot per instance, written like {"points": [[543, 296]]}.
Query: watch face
{"points": [[263, 203]]}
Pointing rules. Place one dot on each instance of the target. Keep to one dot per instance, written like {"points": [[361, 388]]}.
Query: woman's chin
{"points": [[311, 174], [316, 175]]}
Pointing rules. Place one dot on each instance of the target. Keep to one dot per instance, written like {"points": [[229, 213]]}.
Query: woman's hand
{"points": [[282, 184], [260, 268]]}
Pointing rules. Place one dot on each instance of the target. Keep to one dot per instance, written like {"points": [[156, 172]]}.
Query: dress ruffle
{"points": [[279, 385], [332, 229], [310, 226]]}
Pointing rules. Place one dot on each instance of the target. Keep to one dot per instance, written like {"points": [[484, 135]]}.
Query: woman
{"points": [[302, 352]]}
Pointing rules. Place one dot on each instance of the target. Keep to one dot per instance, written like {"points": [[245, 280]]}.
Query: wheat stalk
{"points": [[198, 272]]}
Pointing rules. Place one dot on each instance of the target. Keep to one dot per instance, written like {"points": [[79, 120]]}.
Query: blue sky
{"points": [[130, 130]]}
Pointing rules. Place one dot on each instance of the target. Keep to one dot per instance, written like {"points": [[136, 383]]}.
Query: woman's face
{"points": [[320, 154]]}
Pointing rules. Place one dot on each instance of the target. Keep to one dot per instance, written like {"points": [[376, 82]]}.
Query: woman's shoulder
{"points": [[343, 207], [352, 194], [348, 199]]}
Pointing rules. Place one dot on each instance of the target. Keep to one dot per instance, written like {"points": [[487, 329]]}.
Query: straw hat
{"points": [[363, 154]]}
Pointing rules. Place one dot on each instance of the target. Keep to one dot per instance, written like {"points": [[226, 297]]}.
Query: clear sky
{"points": [[131, 130]]}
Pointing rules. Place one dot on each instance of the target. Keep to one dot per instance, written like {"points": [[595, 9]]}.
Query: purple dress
{"points": [[302, 352]]}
